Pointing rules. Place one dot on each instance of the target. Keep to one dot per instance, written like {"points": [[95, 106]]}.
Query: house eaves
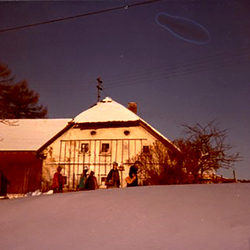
{"points": [[114, 124], [61, 132], [28, 134], [159, 137], [117, 124]]}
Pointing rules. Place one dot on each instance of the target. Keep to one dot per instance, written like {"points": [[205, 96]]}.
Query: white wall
{"points": [[66, 151]]}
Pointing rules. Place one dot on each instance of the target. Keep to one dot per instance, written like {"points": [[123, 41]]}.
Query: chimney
{"points": [[133, 107]]}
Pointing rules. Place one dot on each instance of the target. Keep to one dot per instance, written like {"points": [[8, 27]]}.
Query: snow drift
{"points": [[214, 216]]}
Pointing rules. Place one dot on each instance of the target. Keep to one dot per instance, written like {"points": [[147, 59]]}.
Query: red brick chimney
{"points": [[133, 107]]}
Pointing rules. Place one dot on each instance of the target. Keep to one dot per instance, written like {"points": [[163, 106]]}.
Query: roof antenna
{"points": [[99, 88]]}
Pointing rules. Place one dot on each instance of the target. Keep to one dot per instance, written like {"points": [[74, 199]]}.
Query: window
{"points": [[84, 147], [145, 149], [105, 148]]}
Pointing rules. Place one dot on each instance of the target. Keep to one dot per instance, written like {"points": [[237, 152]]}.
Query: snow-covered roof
{"points": [[34, 134], [109, 110], [29, 134], [106, 110]]}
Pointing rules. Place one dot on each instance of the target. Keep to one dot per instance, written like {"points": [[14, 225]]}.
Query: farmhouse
{"points": [[100, 135], [97, 137]]}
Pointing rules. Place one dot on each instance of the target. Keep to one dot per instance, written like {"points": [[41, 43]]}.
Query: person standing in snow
{"points": [[113, 178], [133, 174], [58, 181], [82, 183], [91, 182]]}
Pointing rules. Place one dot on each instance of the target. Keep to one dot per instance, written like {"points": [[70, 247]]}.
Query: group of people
{"points": [[90, 182], [86, 182], [113, 178]]}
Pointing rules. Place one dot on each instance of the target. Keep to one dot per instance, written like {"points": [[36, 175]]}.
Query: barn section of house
{"points": [[20, 169], [97, 137]]}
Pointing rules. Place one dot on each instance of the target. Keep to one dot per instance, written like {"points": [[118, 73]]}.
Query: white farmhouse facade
{"points": [[97, 137]]}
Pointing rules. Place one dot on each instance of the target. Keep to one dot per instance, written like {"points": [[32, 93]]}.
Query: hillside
{"points": [[212, 216]]}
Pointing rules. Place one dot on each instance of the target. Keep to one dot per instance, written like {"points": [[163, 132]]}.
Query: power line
{"points": [[214, 59], [174, 70], [78, 16], [174, 74]]}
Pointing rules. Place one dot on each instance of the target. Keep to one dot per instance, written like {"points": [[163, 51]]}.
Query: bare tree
{"points": [[205, 148], [160, 165]]}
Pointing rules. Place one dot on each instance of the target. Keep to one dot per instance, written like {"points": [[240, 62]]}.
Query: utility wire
{"points": [[178, 69], [173, 70], [78, 16], [177, 73], [214, 59]]}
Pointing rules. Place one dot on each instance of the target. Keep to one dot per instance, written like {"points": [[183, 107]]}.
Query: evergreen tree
{"points": [[16, 99]]}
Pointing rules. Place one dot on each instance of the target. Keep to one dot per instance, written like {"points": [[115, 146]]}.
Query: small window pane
{"points": [[105, 147], [84, 147]]}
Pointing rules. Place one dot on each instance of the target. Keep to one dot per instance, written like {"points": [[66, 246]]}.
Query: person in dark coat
{"points": [[133, 174], [113, 178], [58, 181], [91, 182]]}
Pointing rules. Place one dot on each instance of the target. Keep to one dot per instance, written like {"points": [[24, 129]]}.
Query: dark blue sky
{"points": [[174, 81]]}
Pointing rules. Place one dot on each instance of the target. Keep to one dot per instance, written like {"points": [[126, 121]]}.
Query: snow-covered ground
{"points": [[208, 216]]}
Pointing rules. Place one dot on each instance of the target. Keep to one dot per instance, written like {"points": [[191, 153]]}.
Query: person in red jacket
{"points": [[58, 181]]}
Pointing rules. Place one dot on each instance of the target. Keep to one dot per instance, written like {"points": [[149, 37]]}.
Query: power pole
{"points": [[99, 88]]}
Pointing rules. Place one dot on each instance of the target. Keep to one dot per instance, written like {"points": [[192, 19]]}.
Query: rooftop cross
{"points": [[99, 87]]}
